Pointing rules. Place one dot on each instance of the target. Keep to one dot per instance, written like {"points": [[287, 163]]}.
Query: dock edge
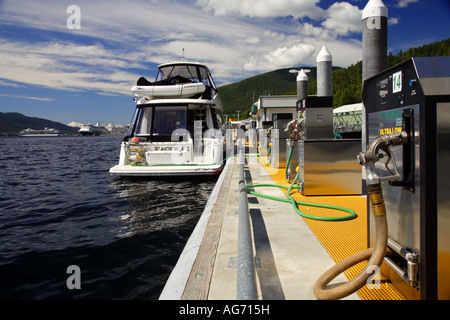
{"points": [[176, 283]]}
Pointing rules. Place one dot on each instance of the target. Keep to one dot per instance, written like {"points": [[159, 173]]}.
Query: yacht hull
{"points": [[165, 171]]}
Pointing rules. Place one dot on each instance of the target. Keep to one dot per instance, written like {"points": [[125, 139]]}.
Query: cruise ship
{"points": [[46, 132], [93, 130]]}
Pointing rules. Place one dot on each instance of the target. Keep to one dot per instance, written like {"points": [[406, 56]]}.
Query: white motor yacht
{"points": [[176, 128]]}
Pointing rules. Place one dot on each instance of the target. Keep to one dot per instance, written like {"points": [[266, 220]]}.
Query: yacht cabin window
{"points": [[160, 121], [144, 123], [168, 119]]}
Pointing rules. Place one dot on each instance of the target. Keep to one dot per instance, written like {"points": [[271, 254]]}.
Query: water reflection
{"points": [[156, 205]]}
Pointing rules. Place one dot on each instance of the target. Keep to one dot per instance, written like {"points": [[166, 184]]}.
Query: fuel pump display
{"points": [[413, 99]]}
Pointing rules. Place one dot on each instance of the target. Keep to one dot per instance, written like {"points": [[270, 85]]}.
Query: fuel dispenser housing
{"points": [[327, 166], [278, 138], [414, 97]]}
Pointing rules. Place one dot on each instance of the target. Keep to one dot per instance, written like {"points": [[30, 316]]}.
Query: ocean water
{"points": [[60, 207]]}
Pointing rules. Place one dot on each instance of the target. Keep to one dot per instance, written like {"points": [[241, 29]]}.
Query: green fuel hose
{"points": [[295, 203], [288, 163]]}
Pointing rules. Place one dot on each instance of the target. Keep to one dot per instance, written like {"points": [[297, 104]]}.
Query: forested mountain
{"points": [[241, 95], [436, 49], [347, 83]]}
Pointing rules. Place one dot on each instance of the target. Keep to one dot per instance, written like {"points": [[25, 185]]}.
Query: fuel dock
{"points": [[288, 258], [288, 252], [266, 235], [305, 215]]}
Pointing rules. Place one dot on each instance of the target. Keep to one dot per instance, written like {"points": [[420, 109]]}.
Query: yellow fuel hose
{"points": [[375, 255]]}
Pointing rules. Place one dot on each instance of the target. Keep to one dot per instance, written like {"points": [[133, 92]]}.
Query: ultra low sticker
{"points": [[390, 130]]}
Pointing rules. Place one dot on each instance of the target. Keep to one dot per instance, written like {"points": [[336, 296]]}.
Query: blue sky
{"points": [[51, 70]]}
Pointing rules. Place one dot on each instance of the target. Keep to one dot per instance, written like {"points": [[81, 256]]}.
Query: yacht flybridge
{"points": [[176, 125]]}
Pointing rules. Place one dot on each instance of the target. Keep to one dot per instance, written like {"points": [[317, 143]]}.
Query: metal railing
{"points": [[347, 122], [246, 283]]}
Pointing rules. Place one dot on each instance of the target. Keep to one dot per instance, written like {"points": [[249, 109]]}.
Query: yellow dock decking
{"points": [[291, 252], [342, 239]]}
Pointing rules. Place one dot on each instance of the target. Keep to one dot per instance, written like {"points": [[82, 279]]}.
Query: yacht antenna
{"points": [[183, 55], [167, 49]]}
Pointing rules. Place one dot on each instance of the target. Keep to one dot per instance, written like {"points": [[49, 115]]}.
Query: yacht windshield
{"points": [[193, 73]]}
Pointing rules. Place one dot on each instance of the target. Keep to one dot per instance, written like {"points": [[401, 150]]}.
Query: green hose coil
{"points": [[295, 203]]}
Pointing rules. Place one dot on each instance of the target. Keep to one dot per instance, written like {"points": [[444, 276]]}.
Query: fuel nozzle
{"points": [[381, 143], [374, 154], [295, 128]]}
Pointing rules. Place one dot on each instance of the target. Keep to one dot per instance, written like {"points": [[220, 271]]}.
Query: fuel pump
{"points": [[380, 148], [326, 165], [414, 97]]}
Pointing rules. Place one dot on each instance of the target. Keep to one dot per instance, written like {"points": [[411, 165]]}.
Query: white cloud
{"points": [[75, 124], [343, 18], [26, 97], [392, 21], [63, 66], [120, 41], [250, 40], [282, 58], [9, 84], [264, 8], [405, 3], [308, 30]]}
